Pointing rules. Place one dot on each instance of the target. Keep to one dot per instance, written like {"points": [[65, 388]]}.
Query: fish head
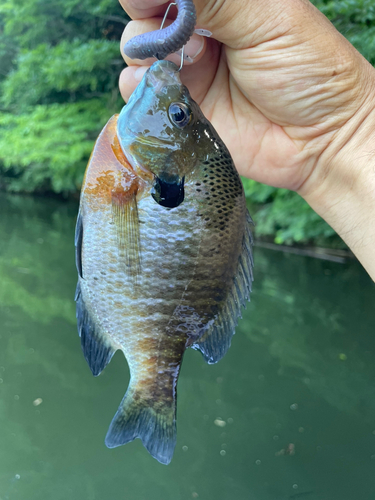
{"points": [[160, 130]]}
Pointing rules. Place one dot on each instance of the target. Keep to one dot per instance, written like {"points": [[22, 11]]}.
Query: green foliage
{"points": [[59, 66], [48, 147], [285, 216], [355, 19], [64, 72], [42, 21]]}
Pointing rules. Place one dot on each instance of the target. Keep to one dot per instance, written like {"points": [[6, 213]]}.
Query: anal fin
{"points": [[97, 351]]}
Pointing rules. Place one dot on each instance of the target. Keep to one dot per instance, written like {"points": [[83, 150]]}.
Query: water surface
{"points": [[289, 413]]}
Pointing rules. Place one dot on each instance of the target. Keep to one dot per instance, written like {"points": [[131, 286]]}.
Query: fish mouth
{"points": [[167, 189], [161, 74], [168, 192]]}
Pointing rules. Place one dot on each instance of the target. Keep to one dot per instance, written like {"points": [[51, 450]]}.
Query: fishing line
{"points": [[161, 27]]}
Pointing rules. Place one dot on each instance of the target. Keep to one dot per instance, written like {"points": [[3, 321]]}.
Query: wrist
{"points": [[341, 188]]}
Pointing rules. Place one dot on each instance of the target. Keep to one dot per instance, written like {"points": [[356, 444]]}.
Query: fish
{"points": [[163, 252]]}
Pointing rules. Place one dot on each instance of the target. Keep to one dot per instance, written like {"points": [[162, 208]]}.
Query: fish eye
{"points": [[179, 114]]}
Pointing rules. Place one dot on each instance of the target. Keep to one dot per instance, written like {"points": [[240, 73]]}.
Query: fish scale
{"points": [[163, 246], [154, 286]]}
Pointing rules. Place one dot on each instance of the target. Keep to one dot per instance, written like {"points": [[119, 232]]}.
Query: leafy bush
{"points": [[47, 148], [59, 66], [68, 71], [286, 217]]}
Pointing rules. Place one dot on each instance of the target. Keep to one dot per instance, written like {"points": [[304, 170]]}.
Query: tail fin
{"points": [[155, 425]]}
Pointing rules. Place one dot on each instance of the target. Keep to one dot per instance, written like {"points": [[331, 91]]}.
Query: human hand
{"points": [[290, 97], [277, 81]]}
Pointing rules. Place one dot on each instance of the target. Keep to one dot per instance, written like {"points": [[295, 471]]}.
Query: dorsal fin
{"points": [[215, 343]]}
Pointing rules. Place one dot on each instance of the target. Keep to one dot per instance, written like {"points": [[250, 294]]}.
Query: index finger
{"points": [[231, 22], [141, 9]]}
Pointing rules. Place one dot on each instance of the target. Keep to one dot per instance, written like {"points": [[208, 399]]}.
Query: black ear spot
{"points": [[168, 194]]}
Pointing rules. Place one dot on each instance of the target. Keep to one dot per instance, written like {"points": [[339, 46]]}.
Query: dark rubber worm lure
{"points": [[161, 43]]}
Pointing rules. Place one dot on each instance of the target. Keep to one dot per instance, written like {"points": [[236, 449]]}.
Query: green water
{"points": [[293, 401]]}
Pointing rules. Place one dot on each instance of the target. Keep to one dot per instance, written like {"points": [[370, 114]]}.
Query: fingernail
{"points": [[139, 73], [191, 50], [194, 46]]}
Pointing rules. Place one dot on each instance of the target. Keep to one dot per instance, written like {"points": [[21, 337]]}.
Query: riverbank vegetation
{"points": [[59, 66]]}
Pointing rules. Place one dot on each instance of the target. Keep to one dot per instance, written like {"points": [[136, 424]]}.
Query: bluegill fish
{"points": [[163, 250]]}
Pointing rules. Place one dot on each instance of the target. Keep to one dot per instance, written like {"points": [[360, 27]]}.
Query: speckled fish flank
{"points": [[163, 250]]}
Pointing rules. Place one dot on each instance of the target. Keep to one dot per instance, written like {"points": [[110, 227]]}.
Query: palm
{"points": [[250, 136], [269, 132]]}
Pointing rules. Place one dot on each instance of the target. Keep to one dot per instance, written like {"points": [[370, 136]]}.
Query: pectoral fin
{"points": [[215, 343], [125, 218]]}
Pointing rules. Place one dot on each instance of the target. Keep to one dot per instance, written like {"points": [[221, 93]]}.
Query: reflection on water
{"points": [[289, 413]]}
